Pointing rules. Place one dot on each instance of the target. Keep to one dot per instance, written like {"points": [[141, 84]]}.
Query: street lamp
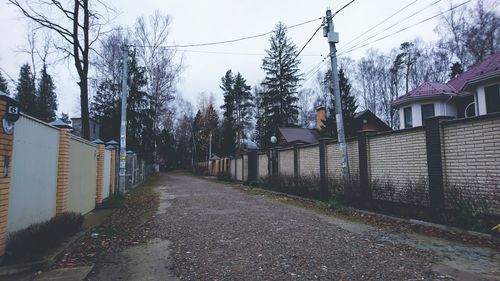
{"points": [[273, 169]]}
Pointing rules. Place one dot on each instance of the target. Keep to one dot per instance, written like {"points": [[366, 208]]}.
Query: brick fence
{"points": [[441, 156]]}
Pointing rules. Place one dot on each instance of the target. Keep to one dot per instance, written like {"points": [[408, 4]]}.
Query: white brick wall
{"points": [[309, 161], [398, 158], [239, 169], [334, 162], [471, 158], [262, 162], [285, 162]]}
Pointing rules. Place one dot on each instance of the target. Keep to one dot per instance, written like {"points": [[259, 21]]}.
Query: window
{"points": [[427, 111], [408, 117], [492, 94]]}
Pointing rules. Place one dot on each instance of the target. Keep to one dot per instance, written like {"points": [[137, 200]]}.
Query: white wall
{"points": [[82, 175], [33, 186], [441, 108]]}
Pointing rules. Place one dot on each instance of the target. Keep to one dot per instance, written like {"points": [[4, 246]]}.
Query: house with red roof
{"points": [[474, 92]]}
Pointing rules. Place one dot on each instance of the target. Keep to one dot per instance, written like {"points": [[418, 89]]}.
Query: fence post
{"points": [[434, 163], [323, 179], [100, 173], [63, 171], [112, 172], [296, 171], [6, 148], [365, 188]]}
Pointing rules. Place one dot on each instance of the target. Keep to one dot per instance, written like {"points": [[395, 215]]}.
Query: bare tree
{"points": [[162, 71], [78, 25], [471, 34]]}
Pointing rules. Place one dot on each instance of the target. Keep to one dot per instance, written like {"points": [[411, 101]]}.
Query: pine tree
{"points": [[26, 95], [3, 84], [47, 98], [228, 133], [349, 107], [106, 110], [281, 83], [243, 107]]}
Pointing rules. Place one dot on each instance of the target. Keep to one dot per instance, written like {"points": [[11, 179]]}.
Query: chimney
{"points": [[320, 117]]}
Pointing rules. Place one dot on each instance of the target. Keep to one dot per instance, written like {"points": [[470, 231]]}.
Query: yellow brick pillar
{"points": [[112, 172], [9, 111], [63, 171], [100, 174]]}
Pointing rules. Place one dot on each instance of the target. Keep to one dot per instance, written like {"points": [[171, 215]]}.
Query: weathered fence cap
{"points": [[60, 124]]}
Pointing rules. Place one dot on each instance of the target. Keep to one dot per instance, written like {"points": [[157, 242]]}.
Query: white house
{"points": [[475, 92]]}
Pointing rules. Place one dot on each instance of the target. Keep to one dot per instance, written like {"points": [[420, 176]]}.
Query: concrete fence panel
{"points": [[308, 161], [471, 157], [245, 167], [107, 171], [232, 170], [82, 175], [262, 166], [34, 173], [239, 174], [285, 162]]}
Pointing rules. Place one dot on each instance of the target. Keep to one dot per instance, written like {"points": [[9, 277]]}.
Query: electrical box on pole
{"points": [[123, 123], [333, 38]]}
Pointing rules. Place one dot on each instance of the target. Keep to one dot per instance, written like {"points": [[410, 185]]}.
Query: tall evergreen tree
{"points": [[349, 107], [281, 82], [227, 130], [243, 106], [26, 95], [106, 110], [3, 84], [47, 98]]}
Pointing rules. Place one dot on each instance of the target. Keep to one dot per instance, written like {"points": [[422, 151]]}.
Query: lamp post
{"points": [[274, 165]]}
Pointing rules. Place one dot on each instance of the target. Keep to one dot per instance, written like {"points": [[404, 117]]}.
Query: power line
{"points": [[231, 40], [318, 67], [237, 53], [345, 6], [396, 23], [378, 24], [310, 38], [403, 29]]}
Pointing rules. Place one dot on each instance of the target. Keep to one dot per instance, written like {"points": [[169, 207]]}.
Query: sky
{"points": [[201, 21]]}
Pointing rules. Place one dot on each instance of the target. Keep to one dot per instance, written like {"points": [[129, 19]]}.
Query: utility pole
{"points": [[210, 153], [123, 123], [333, 37]]}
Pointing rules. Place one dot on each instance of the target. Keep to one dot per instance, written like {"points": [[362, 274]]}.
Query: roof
{"points": [[367, 114], [60, 124], [427, 90], [456, 86], [488, 66], [300, 135], [248, 144]]}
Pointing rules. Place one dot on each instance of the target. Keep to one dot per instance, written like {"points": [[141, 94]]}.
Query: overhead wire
{"points": [[397, 23], [358, 46], [405, 28], [383, 21], [228, 41]]}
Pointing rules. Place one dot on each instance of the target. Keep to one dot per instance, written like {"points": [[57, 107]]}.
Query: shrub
{"points": [[40, 237], [333, 203], [224, 176]]}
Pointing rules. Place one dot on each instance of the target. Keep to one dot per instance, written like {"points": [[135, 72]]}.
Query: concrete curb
{"points": [[414, 222], [46, 262]]}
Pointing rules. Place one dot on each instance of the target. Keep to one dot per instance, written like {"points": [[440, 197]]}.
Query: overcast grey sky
{"points": [[199, 21]]}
